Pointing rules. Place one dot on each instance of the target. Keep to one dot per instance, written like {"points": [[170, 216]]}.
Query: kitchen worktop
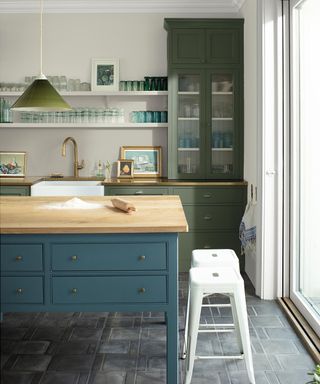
{"points": [[30, 180], [25, 215]]}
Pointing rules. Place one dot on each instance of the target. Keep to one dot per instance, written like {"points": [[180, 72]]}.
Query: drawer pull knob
{"points": [[207, 246], [19, 291], [215, 274], [207, 217], [18, 258], [74, 258], [142, 290], [74, 290], [142, 258], [138, 192], [207, 195], [214, 255]]}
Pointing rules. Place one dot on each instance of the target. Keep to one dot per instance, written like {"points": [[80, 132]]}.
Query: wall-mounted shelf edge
{"points": [[92, 93], [83, 125]]}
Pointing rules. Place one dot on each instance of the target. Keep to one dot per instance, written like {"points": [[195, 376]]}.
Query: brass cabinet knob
{"points": [[19, 291], [74, 290], [142, 290], [74, 258], [141, 258], [207, 217], [207, 195], [18, 258]]}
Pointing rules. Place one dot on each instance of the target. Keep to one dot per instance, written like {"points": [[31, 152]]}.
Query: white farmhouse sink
{"points": [[67, 188]]}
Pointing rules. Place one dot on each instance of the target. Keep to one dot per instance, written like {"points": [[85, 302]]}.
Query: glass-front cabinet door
{"points": [[224, 119], [205, 121], [188, 121]]}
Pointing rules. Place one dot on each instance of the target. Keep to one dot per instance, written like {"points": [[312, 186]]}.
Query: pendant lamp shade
{"points": [[40, 96]]}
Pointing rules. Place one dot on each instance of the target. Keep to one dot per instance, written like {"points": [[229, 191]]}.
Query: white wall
{"points": [[69, 43], [249, 12]]}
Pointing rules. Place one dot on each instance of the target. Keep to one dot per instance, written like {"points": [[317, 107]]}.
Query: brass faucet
{"points": [[76, 165]]}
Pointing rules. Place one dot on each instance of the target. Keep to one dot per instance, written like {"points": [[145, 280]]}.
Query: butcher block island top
{"points": [[27, 215]]}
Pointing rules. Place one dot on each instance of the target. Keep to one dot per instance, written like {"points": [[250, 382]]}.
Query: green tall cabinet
{"points": [[205, 70]]}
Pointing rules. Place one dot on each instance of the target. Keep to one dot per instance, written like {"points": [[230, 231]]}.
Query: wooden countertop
{"points": [[7, 181], [26, 215]]}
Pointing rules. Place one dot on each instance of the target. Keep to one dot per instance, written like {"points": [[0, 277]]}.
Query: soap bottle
{"points": [[99, 170]]}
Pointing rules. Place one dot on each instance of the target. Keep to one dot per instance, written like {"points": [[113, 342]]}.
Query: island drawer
{"points": [[209, 195], [107, 256], [21, 257], [109, 289], [21, 290], [216, 217]]}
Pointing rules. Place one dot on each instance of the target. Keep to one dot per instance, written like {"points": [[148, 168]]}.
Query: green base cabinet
{"points": [[205, 72], [14, 190], [213, 214]]}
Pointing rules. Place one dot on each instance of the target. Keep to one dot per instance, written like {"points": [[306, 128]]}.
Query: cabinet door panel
{"points": [[213, 217], [203, 195], [115, 191], [21, 257], [22, 290], [14, 190], [111, 289], [188, 46], [223, 46], [111, 257]]}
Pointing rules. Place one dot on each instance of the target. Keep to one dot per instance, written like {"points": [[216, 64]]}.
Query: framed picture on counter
{"points": [[105, 75], [146, 160], [125, 168], [12, 164]]}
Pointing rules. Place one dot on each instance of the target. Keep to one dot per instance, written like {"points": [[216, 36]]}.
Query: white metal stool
{"points": [[223, 280], [209, 258]]}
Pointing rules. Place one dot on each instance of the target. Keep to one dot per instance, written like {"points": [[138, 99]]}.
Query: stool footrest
{"points": [[239, 357], [215, 330], [216, 305], [217, 325]]}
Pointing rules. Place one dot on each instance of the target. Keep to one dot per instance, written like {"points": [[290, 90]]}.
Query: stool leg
{"points": [[240, 302], [185, 344], [194, 321], [236, 322]]}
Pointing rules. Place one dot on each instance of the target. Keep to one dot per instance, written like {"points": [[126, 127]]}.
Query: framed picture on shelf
{"points": [[125, 168], [12, 164], [105, 75], [146, 160]]}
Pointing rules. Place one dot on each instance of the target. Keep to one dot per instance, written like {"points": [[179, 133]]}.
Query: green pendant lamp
{"points": [[40, 96]]}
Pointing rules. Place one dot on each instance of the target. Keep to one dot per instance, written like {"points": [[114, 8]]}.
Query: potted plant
{"points": [[316, 375]]}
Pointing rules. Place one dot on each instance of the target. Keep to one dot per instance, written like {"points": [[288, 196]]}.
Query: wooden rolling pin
{"points": [[123, 205]]}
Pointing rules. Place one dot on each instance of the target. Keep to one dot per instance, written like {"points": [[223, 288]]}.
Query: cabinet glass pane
{"points": [[222, 125], [188, 123]]}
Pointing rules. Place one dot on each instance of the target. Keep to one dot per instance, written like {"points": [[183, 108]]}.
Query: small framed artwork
{"points": [[105, 75], [125, 168], [146, 160], [12, 164]]}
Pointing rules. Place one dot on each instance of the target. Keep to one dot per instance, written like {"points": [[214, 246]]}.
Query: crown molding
{"points": [[122, 6]]}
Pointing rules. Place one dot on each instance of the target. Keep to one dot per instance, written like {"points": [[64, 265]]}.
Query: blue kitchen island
{"points": [[94, 259]]}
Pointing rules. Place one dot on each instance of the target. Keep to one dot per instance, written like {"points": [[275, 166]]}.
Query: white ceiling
{"points": [[122, 6]]}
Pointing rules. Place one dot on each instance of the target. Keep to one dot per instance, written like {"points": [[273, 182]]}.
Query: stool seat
{"points": [[226, 281], [214, 258], [221, 279]]}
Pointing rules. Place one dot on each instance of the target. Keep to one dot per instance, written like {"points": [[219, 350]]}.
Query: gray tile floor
{"points": [[129, 348]]}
